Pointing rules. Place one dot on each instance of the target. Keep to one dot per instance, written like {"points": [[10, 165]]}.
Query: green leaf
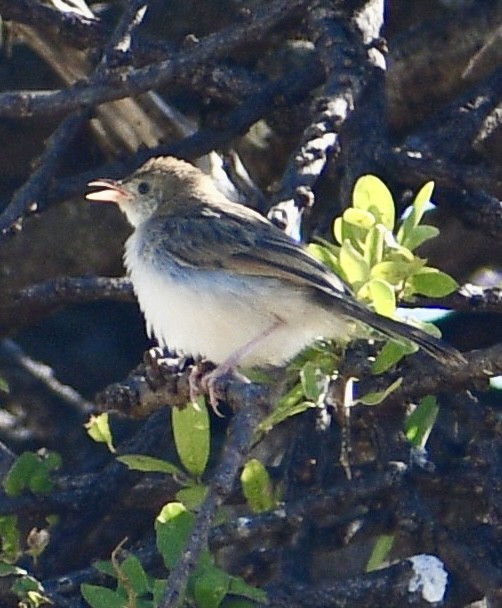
{"points": [[32, 472], [101, 597], [374, 245], [211, 587], [173, 527], [392, 272], [381, 551], [193, 496], [355, 225], [105, 567], [372, 195], [291, 404], [133, 570], [338, 230], [239, 587], [381, 295], [391, 353], [257, 486], [148, 464], [159, 589], [314, 381], [11, 539], [419, 235], [433, 283], [422, 199], [326, 255], [241, 603], [359, 217], [353, 265], [4, 387], [192, 436], [377, 397], [10, 569], [419, 206], [420, 422], [98, 428]]}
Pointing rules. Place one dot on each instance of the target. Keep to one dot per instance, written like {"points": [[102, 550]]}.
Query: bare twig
{"points": [[69, 290], [45, 374]]}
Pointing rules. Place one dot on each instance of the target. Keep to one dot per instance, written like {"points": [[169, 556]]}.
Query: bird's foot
{"points": [[202, 382]]}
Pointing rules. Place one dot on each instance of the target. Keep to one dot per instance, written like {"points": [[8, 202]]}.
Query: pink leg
{"points": [[208, 382]]}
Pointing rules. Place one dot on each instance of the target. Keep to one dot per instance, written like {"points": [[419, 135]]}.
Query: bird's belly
{"points": [[214, 314]]}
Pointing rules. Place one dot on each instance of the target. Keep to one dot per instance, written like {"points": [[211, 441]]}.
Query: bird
{"points": [[216, 279]]}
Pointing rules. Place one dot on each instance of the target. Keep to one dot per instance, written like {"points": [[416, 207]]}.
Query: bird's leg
{"points": [[208, 381]]}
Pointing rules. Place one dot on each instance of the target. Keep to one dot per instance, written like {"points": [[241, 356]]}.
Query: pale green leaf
{"points": [[192, 436], [381, 551], [354, 266], [257, 486], [392, 272], [382, 297], [325, 255], [374, 245], [359, 217], [375, 398], [422, 199], [372, 195], [417, 211], [98, 428], [338, 230]]}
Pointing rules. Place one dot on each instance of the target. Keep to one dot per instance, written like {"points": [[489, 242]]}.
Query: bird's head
{"points": [[140, 195]]}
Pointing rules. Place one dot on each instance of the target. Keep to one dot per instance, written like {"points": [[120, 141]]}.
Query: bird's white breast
{"points": [[213, 313]]}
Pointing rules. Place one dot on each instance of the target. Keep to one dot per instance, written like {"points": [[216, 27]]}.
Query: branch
{"points": [[346, 62], [250, 402], [119, 83], [27, 196], [468, 298]]}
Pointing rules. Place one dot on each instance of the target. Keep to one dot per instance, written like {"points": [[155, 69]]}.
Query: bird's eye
{"points": [[143, 187]]}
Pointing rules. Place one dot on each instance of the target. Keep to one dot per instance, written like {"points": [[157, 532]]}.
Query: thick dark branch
{"points": [[124, 83], [74, 290], [469, 298], [273, 96], [69, 25], [425, 376], [31, 192], [344, 59]]}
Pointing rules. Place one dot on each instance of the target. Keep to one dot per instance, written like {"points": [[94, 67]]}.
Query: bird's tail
{"points": [[436, 348]]}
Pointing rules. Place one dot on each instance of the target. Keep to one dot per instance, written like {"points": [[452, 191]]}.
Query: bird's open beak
{"points": [[113, 192]]}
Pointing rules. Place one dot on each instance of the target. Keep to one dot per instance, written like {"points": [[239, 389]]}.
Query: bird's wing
{"points": [[242, 242]]}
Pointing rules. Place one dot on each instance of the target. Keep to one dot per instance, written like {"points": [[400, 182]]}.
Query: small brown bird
{"points": [[216, 279]]}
